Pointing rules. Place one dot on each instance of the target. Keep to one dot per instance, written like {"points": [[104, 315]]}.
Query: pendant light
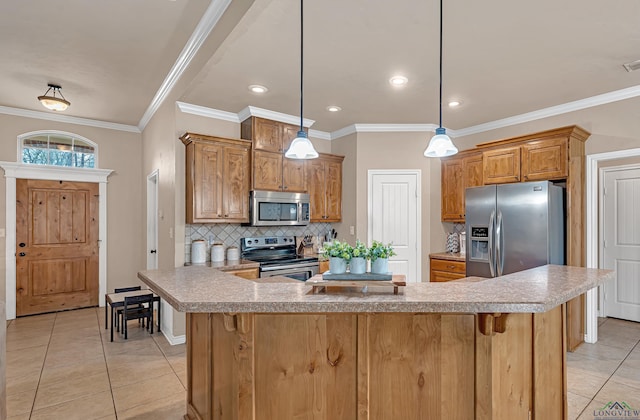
{"points": [[53, 102], [440, 145], [301, 147]]}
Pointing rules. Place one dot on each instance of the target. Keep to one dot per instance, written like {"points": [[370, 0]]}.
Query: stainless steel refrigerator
{"points": [[513, 227]]}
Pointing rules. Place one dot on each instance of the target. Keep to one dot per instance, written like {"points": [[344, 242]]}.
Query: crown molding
{"points": [[67, 119], [603, 99], [253, 111], [203, 111], [208, 21], [317, 134]]}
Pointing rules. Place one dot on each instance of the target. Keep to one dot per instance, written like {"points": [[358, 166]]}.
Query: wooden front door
{"points": [[56, 245]]}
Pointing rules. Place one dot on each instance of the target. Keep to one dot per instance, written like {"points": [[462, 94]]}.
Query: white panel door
{"points": [[621, 234], [394, 217], [152, 221]]}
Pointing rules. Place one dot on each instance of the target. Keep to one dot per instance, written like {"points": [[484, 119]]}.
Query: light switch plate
{"points": [[352, 230], [2, 233]]}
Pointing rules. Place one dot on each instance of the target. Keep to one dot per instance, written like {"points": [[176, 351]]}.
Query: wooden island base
{"points": [[376, 366]]}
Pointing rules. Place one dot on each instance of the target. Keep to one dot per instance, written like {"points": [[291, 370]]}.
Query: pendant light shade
{"points": [[301, 147], [440, 145], [54, 102]]}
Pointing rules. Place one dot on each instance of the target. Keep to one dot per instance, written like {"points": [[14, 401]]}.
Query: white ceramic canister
{"points": [[233, 253], [198, 251], [217, 252]]}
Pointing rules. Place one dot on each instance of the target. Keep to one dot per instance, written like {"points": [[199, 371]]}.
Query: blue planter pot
{"points": [[358, 265], [337, 265], [380, 266]]}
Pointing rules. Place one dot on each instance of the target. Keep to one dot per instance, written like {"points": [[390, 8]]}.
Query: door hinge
{"points": [[604, 243]]}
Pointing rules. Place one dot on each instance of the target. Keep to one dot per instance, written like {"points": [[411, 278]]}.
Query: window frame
{"points": [[74, 137]]}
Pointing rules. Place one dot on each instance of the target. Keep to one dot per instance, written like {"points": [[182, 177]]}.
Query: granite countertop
{"points": [[201, 289], [451, 256]]}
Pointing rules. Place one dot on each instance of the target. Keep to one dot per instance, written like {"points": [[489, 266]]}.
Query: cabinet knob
{"points": [[226, 215], [285, 187], [219, 215], [451, 266]]}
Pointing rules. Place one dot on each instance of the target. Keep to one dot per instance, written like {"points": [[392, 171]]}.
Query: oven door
{"points": [[297, 273]]}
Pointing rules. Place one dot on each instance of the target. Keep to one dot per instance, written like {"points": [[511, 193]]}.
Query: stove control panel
{"points": [[267, 241]]}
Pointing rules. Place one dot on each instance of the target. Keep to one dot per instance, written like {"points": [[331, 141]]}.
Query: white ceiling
{"points": [[501, 58]]}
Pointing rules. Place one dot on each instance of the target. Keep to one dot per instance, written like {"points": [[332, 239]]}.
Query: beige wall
{"points": [[386, 151], [119, 151]]}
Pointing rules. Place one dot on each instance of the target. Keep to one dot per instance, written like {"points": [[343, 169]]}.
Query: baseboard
{"points": [[175, 340]]}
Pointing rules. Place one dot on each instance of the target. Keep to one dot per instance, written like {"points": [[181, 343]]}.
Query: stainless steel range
{"points": [[277, 256]]}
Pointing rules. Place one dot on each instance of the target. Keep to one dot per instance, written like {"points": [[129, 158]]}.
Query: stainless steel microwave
{"points": [[272, 208]]}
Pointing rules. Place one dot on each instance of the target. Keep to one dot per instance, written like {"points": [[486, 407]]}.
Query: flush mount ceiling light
{"points": [[333, 108], [440, 145], [634, 65], [54, 102], [258, 89], [454, 104], [301, 147], [398, 81]]}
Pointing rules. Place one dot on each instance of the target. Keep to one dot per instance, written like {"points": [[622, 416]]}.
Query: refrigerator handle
{"points": [[491, 259], [499, 245]]}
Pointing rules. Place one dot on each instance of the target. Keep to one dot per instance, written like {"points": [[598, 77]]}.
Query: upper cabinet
{"points": [[217, 179], [501, 166], [271, 170], [555, 155], [459, 173], [324, 181], [545, 159]]}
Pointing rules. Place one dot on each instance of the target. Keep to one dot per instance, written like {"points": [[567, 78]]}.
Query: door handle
{"points": [[22, 244], [499, 245], [153, 251], [22, 254], [491, 256]]}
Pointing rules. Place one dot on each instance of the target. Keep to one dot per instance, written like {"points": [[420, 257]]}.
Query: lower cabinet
{"points": [[446, 270], [245, 273]]}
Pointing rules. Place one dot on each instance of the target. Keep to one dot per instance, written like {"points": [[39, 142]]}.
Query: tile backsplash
{"points": [[230, 234]]}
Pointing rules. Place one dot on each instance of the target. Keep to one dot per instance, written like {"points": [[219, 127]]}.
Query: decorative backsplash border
{"points": [[230, 234]]}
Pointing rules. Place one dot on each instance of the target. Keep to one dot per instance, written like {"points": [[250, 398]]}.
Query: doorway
{"points": [[152, 220], [620, 245], [57, 243], [395, 217]]}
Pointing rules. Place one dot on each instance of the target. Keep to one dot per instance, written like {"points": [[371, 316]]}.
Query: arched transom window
{"points": [[57, 148]]}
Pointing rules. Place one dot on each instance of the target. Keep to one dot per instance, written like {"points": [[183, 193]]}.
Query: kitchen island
{"points": [[484, 349]]}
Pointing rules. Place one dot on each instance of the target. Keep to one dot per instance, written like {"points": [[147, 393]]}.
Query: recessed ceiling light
{"points": [[258, 89], [454, 104], [333, 108], [635, 65], [398, 81]]}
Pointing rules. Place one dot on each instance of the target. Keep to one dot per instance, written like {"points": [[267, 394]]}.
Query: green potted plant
{"points": [[339, 254], [359, 257], [379, 254]]}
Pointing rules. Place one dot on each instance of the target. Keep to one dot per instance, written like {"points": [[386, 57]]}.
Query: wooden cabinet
{"points": [[452, 190], [324, 184], [323, 266], [501, 166], [217, 179], [545, 159], [271, 170], [245, 273], [446, 269], [459, 174]]}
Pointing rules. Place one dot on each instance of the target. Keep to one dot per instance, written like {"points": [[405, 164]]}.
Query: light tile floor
{"points": [[63, 366]]}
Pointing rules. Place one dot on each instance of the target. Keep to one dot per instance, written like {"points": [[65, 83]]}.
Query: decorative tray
{"points": [[357, 277], [323, 284]]}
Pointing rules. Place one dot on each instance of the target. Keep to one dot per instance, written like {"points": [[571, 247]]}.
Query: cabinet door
{"points": [[472, 166], [501, 166], [267, 171], [333, 196], [267, 135], [293, 175], [545, 160], [288, 133], [207, 196], [235, 184], [316, 187], [452, 191]]}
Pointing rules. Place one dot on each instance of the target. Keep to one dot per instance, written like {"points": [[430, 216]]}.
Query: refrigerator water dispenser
{"points": [[479, 244]]}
